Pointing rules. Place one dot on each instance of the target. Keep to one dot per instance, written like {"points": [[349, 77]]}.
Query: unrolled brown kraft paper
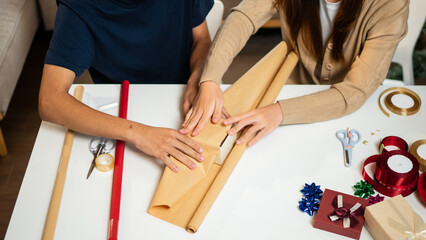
{"points": [[184, 198]]}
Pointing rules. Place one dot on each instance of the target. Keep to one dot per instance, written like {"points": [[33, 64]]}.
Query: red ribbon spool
{"points": [[421, 188], [393, 141], [389, 182]]}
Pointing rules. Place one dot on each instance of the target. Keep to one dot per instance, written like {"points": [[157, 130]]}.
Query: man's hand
{"points": [[208, 104], [189, 96], [164, 142]]}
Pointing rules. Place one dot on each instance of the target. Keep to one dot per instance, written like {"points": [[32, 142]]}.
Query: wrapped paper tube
{"points": [[58, 189], [185, 198]]}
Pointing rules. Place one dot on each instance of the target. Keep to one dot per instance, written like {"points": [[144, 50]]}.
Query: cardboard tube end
{"points": [[191, 229]]}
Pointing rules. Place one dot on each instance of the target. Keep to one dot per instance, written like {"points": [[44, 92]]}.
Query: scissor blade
{"points": [[347, 159], [92, 166]]}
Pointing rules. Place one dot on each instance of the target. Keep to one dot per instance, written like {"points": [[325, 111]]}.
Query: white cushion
{"points": [[18, 24]]}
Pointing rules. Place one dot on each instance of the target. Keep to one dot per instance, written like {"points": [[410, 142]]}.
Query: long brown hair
{"points": [[303, 16]]}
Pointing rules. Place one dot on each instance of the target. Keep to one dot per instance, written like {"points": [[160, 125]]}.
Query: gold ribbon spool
{"points": [[397, 110], [105, 162], [413, 151]]}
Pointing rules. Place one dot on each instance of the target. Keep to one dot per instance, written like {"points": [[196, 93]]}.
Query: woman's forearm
{"points": [[229, 40]]}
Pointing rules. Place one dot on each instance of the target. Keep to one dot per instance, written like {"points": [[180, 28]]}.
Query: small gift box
{"points": [[394, 219], [341, 213]]}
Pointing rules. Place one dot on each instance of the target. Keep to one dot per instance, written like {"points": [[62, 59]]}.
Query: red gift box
{"points": [[327, 208]]}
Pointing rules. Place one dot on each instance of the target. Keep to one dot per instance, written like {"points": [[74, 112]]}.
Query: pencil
{"points": [[118, 169]]}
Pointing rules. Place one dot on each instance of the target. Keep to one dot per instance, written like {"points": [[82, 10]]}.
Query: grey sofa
{"points": [[19, 21]]}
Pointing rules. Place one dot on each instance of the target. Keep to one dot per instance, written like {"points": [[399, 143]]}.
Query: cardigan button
{"points": [[330, 46], [329, 66]]}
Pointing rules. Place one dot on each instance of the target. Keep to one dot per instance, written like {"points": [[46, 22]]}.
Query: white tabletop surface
{"points": [[259, 201]]}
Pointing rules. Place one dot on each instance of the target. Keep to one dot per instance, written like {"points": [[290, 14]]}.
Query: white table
{"points": [[251, 206]]}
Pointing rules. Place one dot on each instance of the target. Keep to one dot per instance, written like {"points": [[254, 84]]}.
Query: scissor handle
{"points": [[344, 138], [96, 142], [109, 145], [354, 132]]}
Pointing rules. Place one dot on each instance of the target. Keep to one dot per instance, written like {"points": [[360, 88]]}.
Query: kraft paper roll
{"points": [[185, 198], [238, 150], [55, 200], [104, 162], [413, 151]]}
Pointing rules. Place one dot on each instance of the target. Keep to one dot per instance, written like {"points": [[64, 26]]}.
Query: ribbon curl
{"points": [[347, 215], [363, 189]]}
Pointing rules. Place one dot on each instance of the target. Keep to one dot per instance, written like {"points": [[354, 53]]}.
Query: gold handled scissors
{"points": [[98, 146]]}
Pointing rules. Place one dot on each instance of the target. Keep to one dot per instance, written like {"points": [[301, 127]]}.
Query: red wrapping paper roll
{"points": [[389, 182], [118, 169]]}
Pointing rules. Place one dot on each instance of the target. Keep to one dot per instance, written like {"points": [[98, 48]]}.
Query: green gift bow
{"points": [[363, 189]]}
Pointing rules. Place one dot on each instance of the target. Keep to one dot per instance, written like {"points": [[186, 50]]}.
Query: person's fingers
{"points": [[189, 151], [258, 136], [190, 142], [203, 121], [182, 158], [186, 107], [169, 163], [192, 122], [225, 113], [248, 134], [217, 112], [240, 125], [237, 118], [194, 114], [187, 117]]}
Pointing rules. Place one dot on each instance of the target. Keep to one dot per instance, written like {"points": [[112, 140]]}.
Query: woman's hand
{"points": [[164, 142], [258, 122], [207, 104]]}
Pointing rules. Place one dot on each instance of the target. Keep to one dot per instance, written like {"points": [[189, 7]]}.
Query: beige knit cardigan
{"points": [[368, 52]]}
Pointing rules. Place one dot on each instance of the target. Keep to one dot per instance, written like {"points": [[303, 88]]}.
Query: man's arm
{"points": [[200, 48], [57, 106]]}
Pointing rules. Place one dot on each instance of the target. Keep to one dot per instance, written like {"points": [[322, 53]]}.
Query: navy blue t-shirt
{"points": [[143, 41]]}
